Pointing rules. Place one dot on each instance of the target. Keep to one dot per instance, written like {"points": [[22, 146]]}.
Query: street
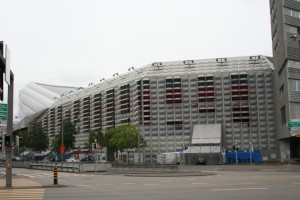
{"points": [[225, 185]]}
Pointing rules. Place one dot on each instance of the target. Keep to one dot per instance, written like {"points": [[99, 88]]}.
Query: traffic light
{"points": [[7, 141], [0, 143], [93, 146], [186, 147], [233, 148]]}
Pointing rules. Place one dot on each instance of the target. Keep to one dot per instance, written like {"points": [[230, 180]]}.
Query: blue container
{"points": [[243, 156]]}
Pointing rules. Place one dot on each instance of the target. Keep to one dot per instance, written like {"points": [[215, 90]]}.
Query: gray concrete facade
{"points": [[165, 101], [285, 22]]}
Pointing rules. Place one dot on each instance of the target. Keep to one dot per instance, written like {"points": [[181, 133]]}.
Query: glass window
{"points": [[283, 118], [295, 110], [281, 90], [293, 64], [295, 84], [291, 29], [290, 12]]}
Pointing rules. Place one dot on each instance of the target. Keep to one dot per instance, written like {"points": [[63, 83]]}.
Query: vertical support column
{"points": [[9, 130]]}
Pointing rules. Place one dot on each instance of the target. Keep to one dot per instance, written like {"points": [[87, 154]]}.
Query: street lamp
{"points": [[103, 79], [62, 144], [158, 65], [251, 150], [132, 68], [116, 74], [189, 63]]}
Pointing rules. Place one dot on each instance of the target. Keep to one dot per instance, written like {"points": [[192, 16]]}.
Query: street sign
{"points": [[3, 111], [296, 128], [2, 117], [62, 149], [3, 105], [293, 124]]}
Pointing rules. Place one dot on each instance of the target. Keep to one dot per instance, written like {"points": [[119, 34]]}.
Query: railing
{"points": [[144, 167], [67, 167]]}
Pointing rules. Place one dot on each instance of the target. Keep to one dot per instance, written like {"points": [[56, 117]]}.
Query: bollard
{"points": [[55, 171]]}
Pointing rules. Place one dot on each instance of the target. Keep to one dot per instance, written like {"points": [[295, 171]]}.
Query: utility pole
{"points": [[9, 130], [9, 78]]}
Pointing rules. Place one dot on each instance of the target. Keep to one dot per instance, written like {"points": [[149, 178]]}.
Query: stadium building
{"points": [[224, 102]]}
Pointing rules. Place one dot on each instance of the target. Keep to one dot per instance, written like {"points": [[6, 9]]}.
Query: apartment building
{"points": [[285, 23]]}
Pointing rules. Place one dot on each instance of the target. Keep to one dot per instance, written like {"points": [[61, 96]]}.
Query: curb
{"points": [[175, 174], [32, 187]]}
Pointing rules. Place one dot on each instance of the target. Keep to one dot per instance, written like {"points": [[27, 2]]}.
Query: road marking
{"points": [[249, 183], [147, 184], [191, 179], [164, 181], [199, 183], [238, 189], [85, 185], [129, 183], [104, 184]]}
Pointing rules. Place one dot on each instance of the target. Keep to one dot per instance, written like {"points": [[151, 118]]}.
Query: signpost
{"points": [[3, 111], [293, 124], [294, 128]]}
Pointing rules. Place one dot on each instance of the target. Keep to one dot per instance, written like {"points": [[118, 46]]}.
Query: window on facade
{"points": [[276, 46], [173, 91], [291, 12], [281, 90], [295, 110], [291, 29], [282, 112], [295, 84]]}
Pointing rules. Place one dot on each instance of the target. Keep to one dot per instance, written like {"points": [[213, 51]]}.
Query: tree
{"points": [[24, 139], [95, 135], [124, 136], [68, 130], [37, 139]]}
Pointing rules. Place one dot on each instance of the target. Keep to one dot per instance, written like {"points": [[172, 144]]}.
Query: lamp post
{"points": [[236, 154], [251, 150], [62, 145], [103, 79], [116, 74], [157, 64], [132, 68]]}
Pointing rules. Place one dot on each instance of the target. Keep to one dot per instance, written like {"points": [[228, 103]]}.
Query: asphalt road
{"points": [[224, 185]]}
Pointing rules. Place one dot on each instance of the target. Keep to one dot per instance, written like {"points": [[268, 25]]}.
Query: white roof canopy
{"points": [[207, 134]]}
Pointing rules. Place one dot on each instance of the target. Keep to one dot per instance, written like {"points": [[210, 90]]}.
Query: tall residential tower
{"points": [[285, 21]]}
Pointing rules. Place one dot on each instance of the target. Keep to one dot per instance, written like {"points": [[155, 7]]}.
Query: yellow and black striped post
{"points": [[55, 173]]}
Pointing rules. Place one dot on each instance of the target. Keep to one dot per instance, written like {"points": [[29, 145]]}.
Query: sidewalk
{"points": [[20, 183], [23, 183]]}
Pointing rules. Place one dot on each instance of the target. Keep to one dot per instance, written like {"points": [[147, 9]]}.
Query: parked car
{"points": [[47, 159], [72, 159], [15, 158], [201, 161], [3, 157], [87, 159]]}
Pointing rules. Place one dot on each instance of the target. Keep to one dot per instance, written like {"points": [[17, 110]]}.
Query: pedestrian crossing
{"points": [[32, 194], [50, 174]]}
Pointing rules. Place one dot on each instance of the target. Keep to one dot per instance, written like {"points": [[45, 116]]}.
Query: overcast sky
{"points": [[76, 42]]}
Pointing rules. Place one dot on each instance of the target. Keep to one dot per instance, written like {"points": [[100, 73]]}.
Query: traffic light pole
{"points": [[9, 130]]}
